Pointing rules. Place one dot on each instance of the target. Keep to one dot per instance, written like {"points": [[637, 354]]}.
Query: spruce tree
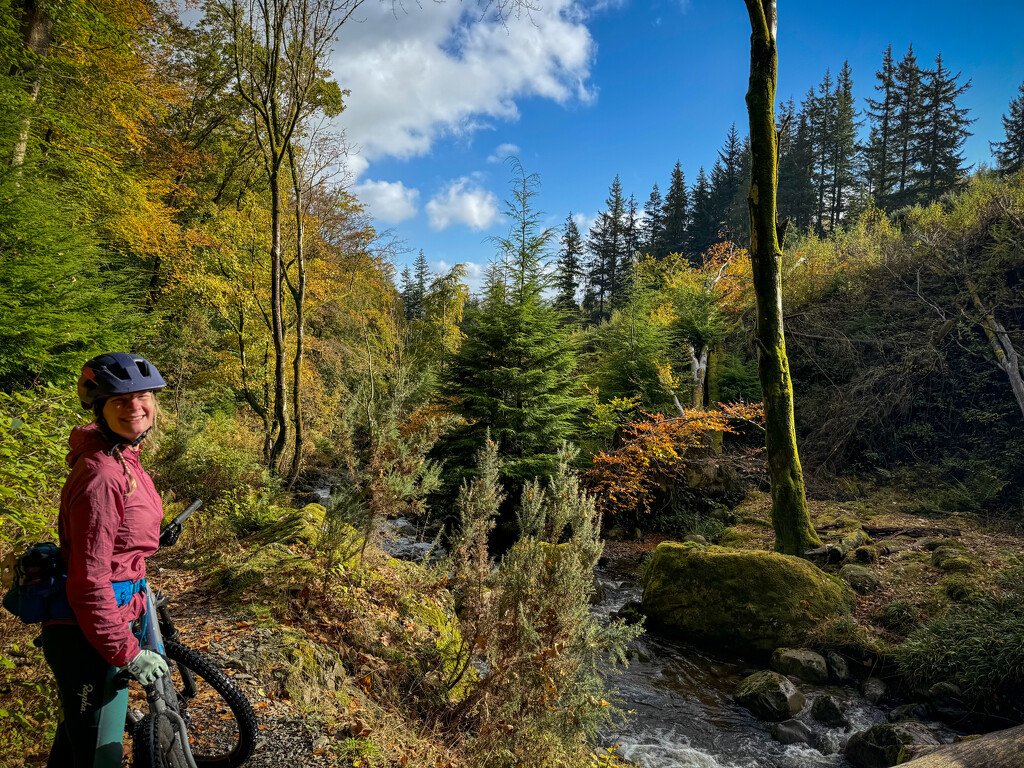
{"points": [[796, 191], [821, 110], [513, 374], [727, 183], [843, 149], [939, 149], [570, 266], [1009, 154], [675, 215], [704, 223], [909, 108], [880, 154], [653, 224], [631, 235], [606, 243], [414, 287]]}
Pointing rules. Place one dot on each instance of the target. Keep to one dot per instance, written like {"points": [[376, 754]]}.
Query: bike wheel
{"points": [[221, 722], [154, 744]]}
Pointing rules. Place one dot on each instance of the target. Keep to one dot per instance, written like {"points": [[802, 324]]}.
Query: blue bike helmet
{"points": [[116, 373]]}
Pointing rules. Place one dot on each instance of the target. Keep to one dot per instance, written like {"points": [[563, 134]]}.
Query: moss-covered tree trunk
{"points": [[794, 533]]}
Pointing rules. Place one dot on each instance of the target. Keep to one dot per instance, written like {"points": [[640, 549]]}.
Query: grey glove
{"points": [[147, 667]]}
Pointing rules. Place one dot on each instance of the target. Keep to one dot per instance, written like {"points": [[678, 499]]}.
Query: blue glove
{"points": [[147, 667]]}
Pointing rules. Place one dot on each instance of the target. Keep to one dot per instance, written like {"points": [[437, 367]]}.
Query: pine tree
{"points": [[796, 191], [1009, 154], [675, 215], [570, 266], [821, 110], [880, 153], [704, 223], [414, 287], [630, 249], [513, 374], [727, 183], [909, 107], [843, 146], [606, 243], [938, 151], [653, 223]]}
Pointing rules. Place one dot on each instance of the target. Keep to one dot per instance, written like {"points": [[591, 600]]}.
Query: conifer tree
{"points": [[630, 249], [675, 215], [727, 182], [513, 374], [821, 110], [704, 223], [909, 107], [796, 191], [606, 243], [653, 223], [570, 266], [414, 287], [880, 154], [843, 145], [1009, 154], [938, 151]]}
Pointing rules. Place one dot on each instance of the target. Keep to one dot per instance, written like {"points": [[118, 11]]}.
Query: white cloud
{"points": [[463, 202], [388, 201], [441, 68], [475, 273], [502, 152]]}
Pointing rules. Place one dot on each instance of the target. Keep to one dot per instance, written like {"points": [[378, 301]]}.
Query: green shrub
{"points": [[978, 648], [34, 429]]}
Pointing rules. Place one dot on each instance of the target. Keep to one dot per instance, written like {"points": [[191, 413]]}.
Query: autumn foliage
{"points": [[657, 451]]}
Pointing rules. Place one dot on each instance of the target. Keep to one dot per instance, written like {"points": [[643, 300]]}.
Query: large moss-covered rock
{"points": [[863, 580], [801, 662], [746, 599], [886, 745]]}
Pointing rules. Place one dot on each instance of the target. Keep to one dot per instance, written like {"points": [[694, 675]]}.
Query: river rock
{"points": [[801, 662], [861, 579], [915, 710], [741, 598], [695, 538], [792, 732], [825, 710], [838, 667], [874, 689], [947, 703], [882, 746], [769, 696]]}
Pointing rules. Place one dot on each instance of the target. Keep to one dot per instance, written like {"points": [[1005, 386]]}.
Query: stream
{"points": [[682, 697]]}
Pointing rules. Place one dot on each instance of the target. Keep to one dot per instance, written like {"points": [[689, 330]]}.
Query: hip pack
{"points": [[38, 591]]}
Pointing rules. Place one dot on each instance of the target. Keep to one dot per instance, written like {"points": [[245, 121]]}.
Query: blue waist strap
{"points": [[124, 591]]}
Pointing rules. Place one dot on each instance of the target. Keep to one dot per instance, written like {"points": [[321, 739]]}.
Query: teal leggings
{"points": [[94, 706]]}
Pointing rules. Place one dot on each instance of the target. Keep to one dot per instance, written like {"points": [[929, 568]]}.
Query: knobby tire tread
{"points": [[232, 695], [154, 745]]}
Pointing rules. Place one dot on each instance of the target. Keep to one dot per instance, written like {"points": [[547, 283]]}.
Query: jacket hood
{"points": [[87, 439]]}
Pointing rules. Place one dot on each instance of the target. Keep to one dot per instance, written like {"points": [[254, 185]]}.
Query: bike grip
{"points": [[188, 512]]}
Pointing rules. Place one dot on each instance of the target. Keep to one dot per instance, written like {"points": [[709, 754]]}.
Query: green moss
{"points": [[446, 667], [735, 538], [754, 599]]}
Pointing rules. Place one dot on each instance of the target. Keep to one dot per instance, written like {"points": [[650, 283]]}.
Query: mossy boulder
{"points": [[769, 696], [953, 559], [746, 599], [862, 580], [313, 672], [802, 663], [886, 745], [444, 668]]}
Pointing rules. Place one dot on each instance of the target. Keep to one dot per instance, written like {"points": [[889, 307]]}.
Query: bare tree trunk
{"points": [[277, 320], [1006, 356], [36, 30], [791, 520], [298, 291], [698, 374]]}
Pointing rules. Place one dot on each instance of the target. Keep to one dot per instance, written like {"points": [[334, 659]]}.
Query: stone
{"points": [[838, 667], [874, 689], [739, 598], [882, 746], [915, 710], [951, 555], [861, 580], [769, 696], [825, 709], [866, 554], [695, 538], [631, 613], [947, 703], [801, 662], [792, 732]]}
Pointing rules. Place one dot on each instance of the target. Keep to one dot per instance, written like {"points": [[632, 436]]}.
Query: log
{"points": [[912, 531], [1002, 749], [833, 553]]}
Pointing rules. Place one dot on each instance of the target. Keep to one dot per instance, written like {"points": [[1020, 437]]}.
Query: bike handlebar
{"points": [[172, 531]]}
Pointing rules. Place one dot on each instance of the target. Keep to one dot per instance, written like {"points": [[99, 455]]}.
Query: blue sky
{"points": [[586, 90]]}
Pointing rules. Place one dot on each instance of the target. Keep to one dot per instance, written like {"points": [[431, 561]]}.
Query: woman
{"points": [[109, 523]]}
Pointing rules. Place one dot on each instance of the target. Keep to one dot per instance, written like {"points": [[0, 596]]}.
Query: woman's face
{"points": [[130, 415]]}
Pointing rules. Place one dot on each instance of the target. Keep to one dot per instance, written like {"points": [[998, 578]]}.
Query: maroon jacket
{"points": [[106, 536]]}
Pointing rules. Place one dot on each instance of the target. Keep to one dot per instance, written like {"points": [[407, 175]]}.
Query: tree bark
{"points": [[1001, 749], [791, 520], [298, 291], [1006, 355], [36, 31]]}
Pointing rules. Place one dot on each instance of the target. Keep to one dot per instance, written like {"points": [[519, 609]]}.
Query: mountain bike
{"points": [[198, 717]]}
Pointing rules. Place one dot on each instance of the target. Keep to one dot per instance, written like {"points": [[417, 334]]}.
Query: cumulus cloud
{"points": [[463, 201], [388, 201], [474, 273], [441, 69], [502, 152]]}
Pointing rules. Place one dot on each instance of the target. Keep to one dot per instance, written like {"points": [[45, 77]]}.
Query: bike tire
{"points": [[154, 744], [220, 720]]}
